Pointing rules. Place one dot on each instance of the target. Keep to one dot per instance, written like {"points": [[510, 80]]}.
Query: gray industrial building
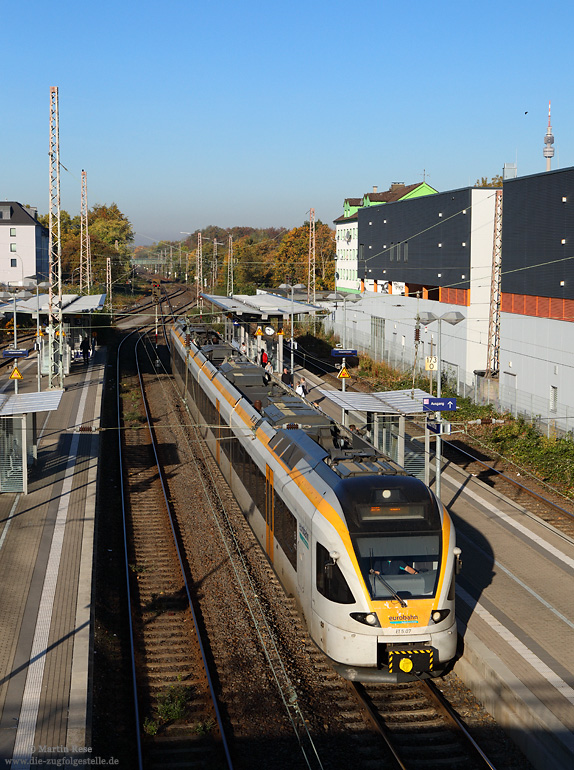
{"points": [[435, 254]]}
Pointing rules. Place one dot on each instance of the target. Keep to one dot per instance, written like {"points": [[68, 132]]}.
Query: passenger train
{"points": [[368, 551]]}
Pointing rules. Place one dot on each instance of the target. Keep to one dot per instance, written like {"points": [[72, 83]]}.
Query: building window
{"points": [[553, 398], [12, 232], [12, 247], [13, 263]]}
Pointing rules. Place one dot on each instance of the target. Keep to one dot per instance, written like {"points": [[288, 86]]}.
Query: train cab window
{"points": [[404, 565], [330, 580]]}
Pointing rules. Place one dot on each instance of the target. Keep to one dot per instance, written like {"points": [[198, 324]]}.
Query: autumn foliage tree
{"points": [[111, 234], [496, 181], [292, 260]]}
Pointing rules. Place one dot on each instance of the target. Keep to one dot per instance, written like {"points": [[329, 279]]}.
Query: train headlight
{"points": [[368, 618], [439, 615]]}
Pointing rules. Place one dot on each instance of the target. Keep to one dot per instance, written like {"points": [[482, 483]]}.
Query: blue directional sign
{"points": [[342, 353], [439, 404], [15, 353], [440, 428]]}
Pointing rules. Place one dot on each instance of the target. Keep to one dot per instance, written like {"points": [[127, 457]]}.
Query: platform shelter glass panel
{"points": [[11, 457]]}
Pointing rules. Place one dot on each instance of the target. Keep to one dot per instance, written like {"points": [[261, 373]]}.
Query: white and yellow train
{"points": [[367, 550]]}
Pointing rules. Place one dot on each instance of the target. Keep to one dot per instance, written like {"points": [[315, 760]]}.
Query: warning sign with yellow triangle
{"points": [[15, 374], [343, 374]]}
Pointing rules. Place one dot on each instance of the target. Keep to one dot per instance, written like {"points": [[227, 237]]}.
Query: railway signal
{"points": [[156, 292]]}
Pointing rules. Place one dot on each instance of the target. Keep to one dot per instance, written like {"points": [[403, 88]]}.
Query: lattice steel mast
{"points": [[493, 350], [199, 269], [311, 285], [230, 266], [85, 250], [55, 319]]}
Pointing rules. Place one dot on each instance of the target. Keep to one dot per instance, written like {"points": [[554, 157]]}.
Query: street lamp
{"points": [[426, 318], [336, 297]]}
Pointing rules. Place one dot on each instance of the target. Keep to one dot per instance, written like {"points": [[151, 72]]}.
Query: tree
{"points": [[496, 181], [292, 263], [110, 236]]}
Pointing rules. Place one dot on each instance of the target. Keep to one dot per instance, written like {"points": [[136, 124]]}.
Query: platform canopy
{"points": [[400, 402], [260, 307], [72, 304], [28, 403]]}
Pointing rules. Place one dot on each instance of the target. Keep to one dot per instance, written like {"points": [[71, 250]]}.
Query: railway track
{"points": [[526, 491], [420, 728], [176, 710]]}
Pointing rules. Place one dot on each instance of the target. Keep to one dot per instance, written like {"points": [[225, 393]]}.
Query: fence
{"points": [[550, 417]]}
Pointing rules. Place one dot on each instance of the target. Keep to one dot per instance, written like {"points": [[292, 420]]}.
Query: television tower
{"points": [[548, 142]]}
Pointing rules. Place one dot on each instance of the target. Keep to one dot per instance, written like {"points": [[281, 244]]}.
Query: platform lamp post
{"points": [[426, 318]]}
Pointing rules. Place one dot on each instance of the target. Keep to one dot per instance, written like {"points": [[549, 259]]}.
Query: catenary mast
{"points": [[85, 253], [55, 322]]}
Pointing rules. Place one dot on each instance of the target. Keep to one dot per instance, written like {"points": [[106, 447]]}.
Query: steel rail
{"points": [[450, 714], [126, 556]]}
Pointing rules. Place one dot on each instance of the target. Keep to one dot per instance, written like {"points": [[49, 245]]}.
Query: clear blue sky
{"points": [[239, 112]]}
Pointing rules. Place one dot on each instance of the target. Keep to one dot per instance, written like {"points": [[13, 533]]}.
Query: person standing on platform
{"points": [[94, 342], [286, 378], [85, 348]]}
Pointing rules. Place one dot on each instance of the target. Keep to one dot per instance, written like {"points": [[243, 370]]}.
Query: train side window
{"points": [[286, 530], [330, 580]]}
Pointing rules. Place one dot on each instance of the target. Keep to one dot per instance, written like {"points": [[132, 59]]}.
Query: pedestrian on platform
{"points": [[286, 378], [85, 348], [301, 388]]}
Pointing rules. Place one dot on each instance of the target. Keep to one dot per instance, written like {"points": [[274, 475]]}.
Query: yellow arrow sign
{"points": [[15, 374], [343, 374]]}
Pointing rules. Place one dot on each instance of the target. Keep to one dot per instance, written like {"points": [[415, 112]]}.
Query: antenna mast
{"points": [[548, 151], [85, 251], [55, 324], [311, 286]]}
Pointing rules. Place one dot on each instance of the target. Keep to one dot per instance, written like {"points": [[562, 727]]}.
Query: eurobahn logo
{"points": [[398, 619]]}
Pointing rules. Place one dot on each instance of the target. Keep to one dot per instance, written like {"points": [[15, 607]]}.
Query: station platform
{"points": [[515, 611], [46, 550]]}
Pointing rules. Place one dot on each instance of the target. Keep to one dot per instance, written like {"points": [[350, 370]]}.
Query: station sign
{"points": [[439, 404], [15, 353], [342, 353]]}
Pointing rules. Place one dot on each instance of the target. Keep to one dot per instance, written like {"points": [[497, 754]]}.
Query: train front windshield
{"points": [[395, 528]]}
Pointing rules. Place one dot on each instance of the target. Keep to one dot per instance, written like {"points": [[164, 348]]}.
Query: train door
{"points": [[269, 512], [303, 557]]}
